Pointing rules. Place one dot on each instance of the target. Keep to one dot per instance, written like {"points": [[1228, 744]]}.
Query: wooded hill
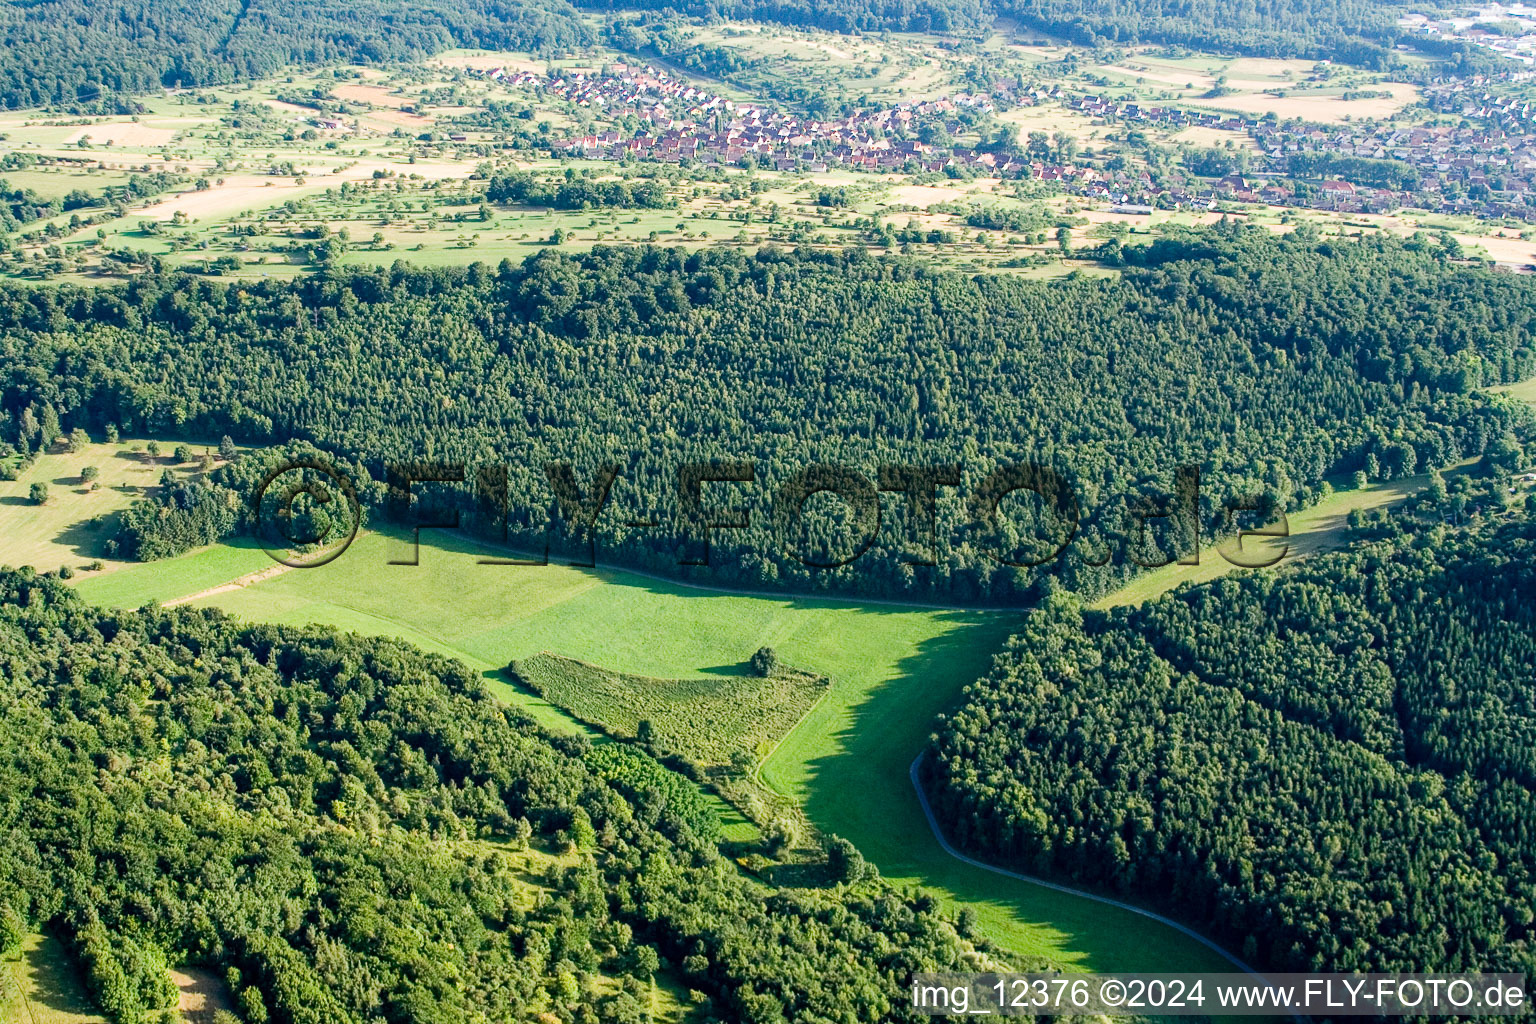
{"points": [[94, 57], [1269, 362], [332, 823], [1331, 767], [97, 55]]}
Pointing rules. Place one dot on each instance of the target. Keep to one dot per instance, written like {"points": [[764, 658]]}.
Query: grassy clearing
{"points": [[891, 669], [41, 986], [1312, 530], [72, 526], [201, 994], [1525, 391], [706, 720]]}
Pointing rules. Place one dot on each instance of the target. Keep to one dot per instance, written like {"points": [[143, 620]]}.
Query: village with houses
{"points": [[362, 165], [1482, 164]]}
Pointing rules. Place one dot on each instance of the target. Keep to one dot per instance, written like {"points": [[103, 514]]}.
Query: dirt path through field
{"points": [[249, 579]]}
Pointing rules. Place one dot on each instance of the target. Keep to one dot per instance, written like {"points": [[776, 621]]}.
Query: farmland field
{"points": [[398, 173], [197, 232], [734, 711]]}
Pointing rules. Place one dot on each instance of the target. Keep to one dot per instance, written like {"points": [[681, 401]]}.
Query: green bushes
{"points": [[711, 722], [579, 193], [636, 773], [129, 979]]}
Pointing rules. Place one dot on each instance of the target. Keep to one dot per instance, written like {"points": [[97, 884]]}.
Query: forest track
{"points": [[938, 833]]}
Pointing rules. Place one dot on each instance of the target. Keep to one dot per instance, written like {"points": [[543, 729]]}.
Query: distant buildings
{"points": [[1487, 168]]}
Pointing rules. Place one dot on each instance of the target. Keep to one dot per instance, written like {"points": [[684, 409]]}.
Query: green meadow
{"points": [[1312, 530], [41, 986], [892, 669], [72, 526]]}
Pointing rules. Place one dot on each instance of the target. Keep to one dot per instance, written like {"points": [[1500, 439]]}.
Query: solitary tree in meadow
{"points": [[765, 662]]}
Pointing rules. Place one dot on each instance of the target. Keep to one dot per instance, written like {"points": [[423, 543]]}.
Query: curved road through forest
{"points": [[938, 833]]}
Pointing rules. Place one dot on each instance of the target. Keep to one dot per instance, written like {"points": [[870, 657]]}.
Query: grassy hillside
{"points": [[72, 526], [1312, 530], [41, 986], [891, 670]]}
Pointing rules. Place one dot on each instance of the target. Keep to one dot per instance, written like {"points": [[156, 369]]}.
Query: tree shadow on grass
{"points": [[86, 537], [56, 980], [740, 668]]}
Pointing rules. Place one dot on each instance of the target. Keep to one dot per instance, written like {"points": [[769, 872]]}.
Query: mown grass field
{"points": [[705, 720]]}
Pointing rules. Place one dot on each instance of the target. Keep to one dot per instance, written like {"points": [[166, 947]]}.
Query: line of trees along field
{"points": [[331, 823], [1269, 362], [1352, 31], [1332, 767]]}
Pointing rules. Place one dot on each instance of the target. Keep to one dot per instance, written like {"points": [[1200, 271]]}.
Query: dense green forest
{"points": [[97, 54], [1268, 362], [1331, 767], [331, 824], [577, 193], [1352, 31], [964, 16]]}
